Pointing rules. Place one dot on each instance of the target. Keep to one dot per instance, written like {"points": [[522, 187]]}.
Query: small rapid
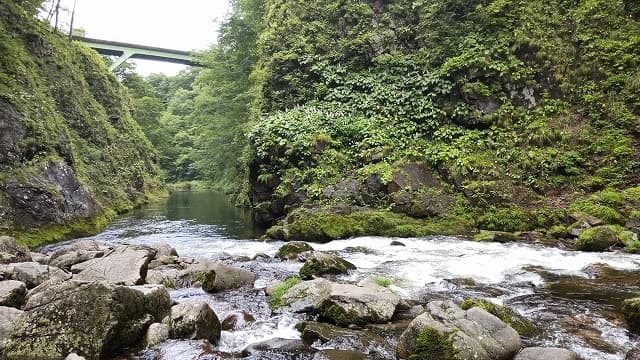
{"points": [[574, 297]]}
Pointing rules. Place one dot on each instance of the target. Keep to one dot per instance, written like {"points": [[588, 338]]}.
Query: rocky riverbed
{"points": [[98, 299]]}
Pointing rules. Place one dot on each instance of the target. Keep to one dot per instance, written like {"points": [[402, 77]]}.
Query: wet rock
{"points": [[546, 353], [33, 273], [312, 332], [163, 249], [633, 354], [126, 265], [497, 236], [214, 277], [599, 238], [290, 250], [193, 320], [156, 334], [352, 304], [8, 317], [156, 298], [518, 322], [272, 286], [587, 218], [95, 319], [631, 311], [318, 264], [474, 333], [237, 321], [397, 243], [12, 293], [578, 227], [277, 345], [335, 354], [163, 260], [68, 259], [304, 296], [12, 251]]}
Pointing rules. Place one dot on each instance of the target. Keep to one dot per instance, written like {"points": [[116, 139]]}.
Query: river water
{"points": [[573, 296]]}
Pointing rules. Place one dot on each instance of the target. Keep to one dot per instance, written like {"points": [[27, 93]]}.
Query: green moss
{"points": [[292, 249], [35, 237], [207, 279], [338, 315], [431, 345], [519, 323], [598, 238], [382, 281], [510, 219], [275, 299], [631, 311]]}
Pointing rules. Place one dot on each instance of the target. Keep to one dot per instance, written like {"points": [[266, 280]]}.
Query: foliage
{"points": [[275, 298]]}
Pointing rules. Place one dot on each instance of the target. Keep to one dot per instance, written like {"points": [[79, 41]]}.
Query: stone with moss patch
{"points": [[631, 311], [290, 250], [599, 238], [431, 345], [319, 264], [523, 326]]}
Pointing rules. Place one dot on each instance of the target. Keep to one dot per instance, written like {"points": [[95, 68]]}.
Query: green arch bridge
{"points": [[127, 51]]}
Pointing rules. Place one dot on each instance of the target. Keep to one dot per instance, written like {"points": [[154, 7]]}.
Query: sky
{"points": [[180, 25]]}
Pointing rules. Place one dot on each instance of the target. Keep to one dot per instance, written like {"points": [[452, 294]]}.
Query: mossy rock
{"points": [[431, 345], [290, 251], [631, 311], [275, 299], [599, 238], [339, 315], [496, 236], [319, 264], [518, 322]]}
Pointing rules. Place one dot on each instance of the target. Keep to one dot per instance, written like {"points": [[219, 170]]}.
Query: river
{"points": [[572, 296]]}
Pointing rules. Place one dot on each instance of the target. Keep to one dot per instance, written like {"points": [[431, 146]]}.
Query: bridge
{"points": [[130, 51]]}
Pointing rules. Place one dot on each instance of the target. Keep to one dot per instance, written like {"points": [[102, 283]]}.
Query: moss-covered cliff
{"points": [[70, 154], [493, 114]]}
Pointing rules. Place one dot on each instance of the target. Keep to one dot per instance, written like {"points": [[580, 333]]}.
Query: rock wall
{"points": [[70, 154]]}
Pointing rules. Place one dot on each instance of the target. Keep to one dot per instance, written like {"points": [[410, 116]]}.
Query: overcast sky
{"points": [[181, 25]]}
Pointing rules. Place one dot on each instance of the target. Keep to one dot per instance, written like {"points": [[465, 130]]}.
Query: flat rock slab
{"points": [[126, 265], [546, 353], [8, 317]]}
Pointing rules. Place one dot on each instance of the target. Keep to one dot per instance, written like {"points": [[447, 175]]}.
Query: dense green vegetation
{"points": [[494, 114], [72, 157]]}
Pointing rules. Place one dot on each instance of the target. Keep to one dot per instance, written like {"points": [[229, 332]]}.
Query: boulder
{"points": [[348, 304], [11, 252], [277, 345], [74, 356], [166, 275], [518, 322], [237, 321], [290, 250], [214, 277], [33, 273], [599, 238], [40, 258], [163, 249], [12, 293], [193, 320], [497, 236], [631, 311], [8, 317], [156, 334], [319, 263], [92, 319], [304, 296], [312, 332], [125, 265], [69, 258], [470, 334], [164, 260], [546, 353]]}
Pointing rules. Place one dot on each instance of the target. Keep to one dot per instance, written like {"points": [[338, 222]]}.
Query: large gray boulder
{"points": [[125, 265], [474, 333], [156, 334], [12, 251], [546, 353], [69, 258], [349, 304], [319, 263], [342, 304], [32, 273], [193, 320], [214, 277], [8, 317], [12, 293], [91, 319], [164, 249]]}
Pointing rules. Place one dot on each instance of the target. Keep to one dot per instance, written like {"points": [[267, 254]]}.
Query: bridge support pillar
{"points": [[124, 57]]}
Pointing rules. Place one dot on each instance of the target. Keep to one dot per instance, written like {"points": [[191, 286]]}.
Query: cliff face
{"points": [[70, 154]]}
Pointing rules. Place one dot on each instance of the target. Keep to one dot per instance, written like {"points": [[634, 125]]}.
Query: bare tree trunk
{"points": [[73, 14], [57, 14]]}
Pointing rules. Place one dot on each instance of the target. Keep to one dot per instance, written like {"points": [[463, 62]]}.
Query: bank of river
{"points": [[573, 296]]}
